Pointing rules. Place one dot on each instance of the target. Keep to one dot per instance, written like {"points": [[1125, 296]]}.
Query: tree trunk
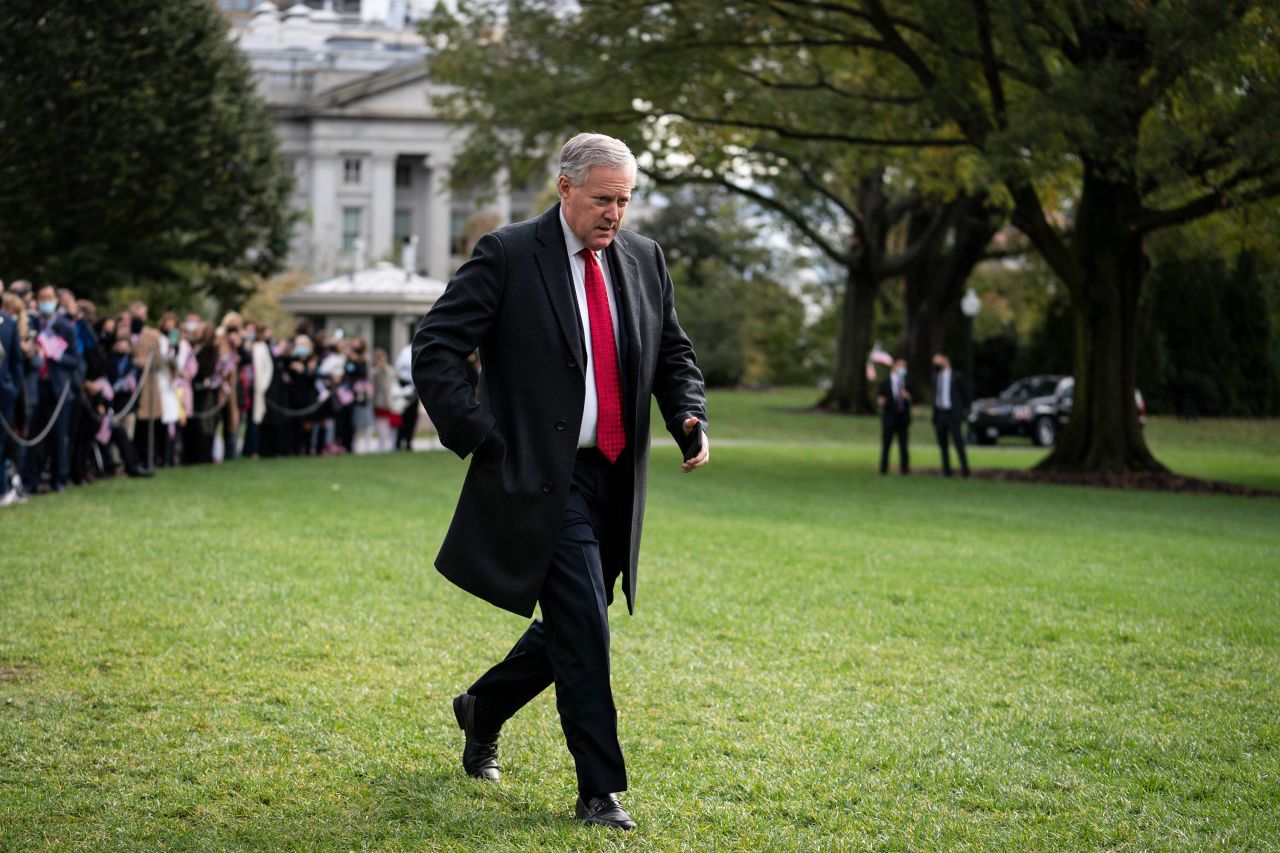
{"points": [[849, 392], [935, 284], [1104, 434]]}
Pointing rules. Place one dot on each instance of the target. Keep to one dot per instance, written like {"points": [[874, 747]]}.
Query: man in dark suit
{"points": [[576, 326], [950, 405], [60, 372], [894, 400]]}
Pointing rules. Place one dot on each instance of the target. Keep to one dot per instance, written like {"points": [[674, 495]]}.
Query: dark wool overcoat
{"points": [[514, 300]]}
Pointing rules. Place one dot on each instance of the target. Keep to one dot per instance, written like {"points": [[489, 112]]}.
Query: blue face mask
{"points": [[47, 308], [302, 352]]}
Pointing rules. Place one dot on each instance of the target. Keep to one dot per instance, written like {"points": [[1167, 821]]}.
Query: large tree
{"points": [[713, 112], [133, 148], [1165, 112], [1157, 113]]}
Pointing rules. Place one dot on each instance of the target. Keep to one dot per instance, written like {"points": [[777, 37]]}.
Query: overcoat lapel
{"points": [[626, 280], [554, 267]]}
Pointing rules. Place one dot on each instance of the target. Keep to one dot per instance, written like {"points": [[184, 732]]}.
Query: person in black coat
{"points": [[576, 326], [951, 400], [894, 399], [59, 373], [11, 385]]}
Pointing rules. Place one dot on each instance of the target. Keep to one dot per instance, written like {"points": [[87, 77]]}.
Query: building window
{"points": [[403, 224], [382, 334], [352, 227], [458, 232], [351, 169], [404, 175]]}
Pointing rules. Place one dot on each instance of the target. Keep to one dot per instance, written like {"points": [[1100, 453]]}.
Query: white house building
{"points": [[356, 116]]}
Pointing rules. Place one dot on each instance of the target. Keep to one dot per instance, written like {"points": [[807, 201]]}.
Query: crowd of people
{"points": [[85, 396]]}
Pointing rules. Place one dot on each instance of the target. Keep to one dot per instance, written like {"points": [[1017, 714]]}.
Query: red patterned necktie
{"points": [[611, 437]]}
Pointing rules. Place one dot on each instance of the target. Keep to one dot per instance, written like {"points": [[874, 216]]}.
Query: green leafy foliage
{"points": [[133, 149], [747, 325], [1209, 340]]}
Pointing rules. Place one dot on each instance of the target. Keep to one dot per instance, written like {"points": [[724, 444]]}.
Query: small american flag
{"points": [[51, 344]]}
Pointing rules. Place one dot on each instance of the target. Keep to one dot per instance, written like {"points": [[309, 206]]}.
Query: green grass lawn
{"points": [[260, 655], [1234, 450]]}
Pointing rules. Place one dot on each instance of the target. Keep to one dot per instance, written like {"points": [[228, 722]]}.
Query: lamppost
{"points": [[970, 306]]}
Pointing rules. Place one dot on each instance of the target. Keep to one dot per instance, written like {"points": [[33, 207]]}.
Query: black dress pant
{"points": [[569, 645], [408, 423], [947, 426], [888, 429], [151, 442]]}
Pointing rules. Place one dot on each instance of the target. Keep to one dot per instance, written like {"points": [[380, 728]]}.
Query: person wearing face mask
{"points": [[60, 368], [303, 395], [894, 399]]}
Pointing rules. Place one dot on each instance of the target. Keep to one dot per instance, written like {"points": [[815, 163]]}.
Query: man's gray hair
{"points": [[594, 149]]}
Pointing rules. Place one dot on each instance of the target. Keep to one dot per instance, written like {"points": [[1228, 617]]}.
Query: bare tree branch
{"points": [[989, 69], [795, 217], [791, 132], [1028, 216], [1211, 202]]}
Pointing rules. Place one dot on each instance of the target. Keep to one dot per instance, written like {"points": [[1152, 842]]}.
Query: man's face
{"points": [[595, 209]]}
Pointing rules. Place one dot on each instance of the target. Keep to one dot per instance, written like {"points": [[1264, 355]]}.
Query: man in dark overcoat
{"points": [[576, 327], [951, 400], [894, 399]]}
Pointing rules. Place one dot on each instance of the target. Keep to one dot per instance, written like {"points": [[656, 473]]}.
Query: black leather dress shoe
{"points": [[479, 757], [604, 811]]}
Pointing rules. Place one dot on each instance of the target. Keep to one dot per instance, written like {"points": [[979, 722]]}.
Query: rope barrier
{"points": [[209, 412], [137, 391], [32, 442], [295, 413]]}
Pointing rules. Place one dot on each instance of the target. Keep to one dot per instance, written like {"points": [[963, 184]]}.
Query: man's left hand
{"points": [[704, 455]]}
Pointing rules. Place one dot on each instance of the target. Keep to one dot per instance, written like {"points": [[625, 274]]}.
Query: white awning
{"points": [[384, 289]]}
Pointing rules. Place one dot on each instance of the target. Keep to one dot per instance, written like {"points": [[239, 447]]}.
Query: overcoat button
{"points": [[560, 425], [546, 488], [571, 363]]}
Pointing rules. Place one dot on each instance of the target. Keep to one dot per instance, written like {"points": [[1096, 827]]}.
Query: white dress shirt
{"points": [[944, 389], [578, 269]]}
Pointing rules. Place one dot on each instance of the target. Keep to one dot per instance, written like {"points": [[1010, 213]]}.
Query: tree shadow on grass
{"points": [[454, 806]]}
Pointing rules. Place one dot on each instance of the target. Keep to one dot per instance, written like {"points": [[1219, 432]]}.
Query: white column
{"points": [[382, 205], [399, 336], [439, 202], [502, 204], [325, 215]]}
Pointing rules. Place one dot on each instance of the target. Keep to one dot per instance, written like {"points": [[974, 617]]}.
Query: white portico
{"points": [[382, 304]]}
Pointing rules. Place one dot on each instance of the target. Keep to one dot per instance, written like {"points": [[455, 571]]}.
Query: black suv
{"points": [[1037, 407]]}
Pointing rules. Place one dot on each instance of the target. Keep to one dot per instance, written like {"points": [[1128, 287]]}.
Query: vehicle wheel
{"points": [[983, 439], [1044, 432]]}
